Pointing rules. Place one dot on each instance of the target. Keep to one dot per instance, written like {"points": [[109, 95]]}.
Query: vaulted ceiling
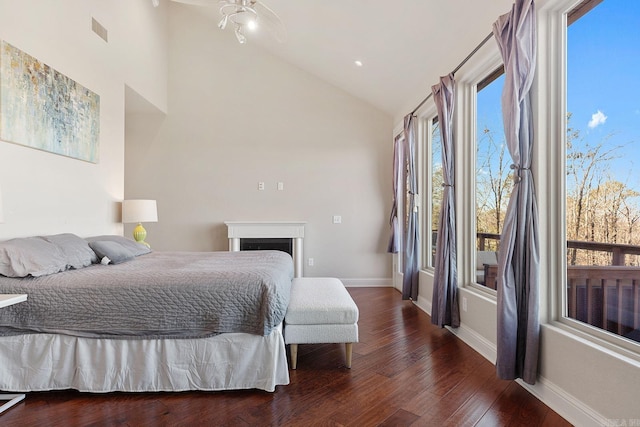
{"points": [[404, 45]]}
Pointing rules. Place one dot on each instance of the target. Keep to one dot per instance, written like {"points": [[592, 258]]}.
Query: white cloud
{"points": [[597, 119]]}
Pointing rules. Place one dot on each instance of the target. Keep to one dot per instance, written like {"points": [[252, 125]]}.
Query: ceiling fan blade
{"points": [[268, 19]]}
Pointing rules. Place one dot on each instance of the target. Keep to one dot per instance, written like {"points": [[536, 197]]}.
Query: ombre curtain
{"points": [[444, 309], [398, 156], [518, 258], [411, 246]]}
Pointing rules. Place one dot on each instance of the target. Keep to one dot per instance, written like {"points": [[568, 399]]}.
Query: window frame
{"points": [[550, 91], [483, 83], [428, 125], [425, 115], [477, 70]]}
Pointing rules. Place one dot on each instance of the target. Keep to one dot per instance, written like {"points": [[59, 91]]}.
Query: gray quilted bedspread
{"points": [[158, 295]]}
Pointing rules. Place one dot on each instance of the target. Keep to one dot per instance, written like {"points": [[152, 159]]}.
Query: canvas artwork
{"points": [[44, 109]]}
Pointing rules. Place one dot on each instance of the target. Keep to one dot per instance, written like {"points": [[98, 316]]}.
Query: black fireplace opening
{"points": [[260, 244]]}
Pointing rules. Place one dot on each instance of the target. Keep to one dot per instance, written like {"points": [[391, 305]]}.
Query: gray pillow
{"points": [[115, 252], [75, 250], [30, 256], [134, 247]]}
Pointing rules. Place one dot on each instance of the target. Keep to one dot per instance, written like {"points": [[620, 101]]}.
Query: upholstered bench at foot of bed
{"points": [[321, 311]]}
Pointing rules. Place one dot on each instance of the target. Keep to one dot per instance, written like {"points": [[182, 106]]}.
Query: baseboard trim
{"points": [[569, 407], [556, 398], [476, 341], [424, 304], [382, 282]]}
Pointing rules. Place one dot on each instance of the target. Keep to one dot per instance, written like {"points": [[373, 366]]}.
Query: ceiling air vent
{"points": [[97, 28]]}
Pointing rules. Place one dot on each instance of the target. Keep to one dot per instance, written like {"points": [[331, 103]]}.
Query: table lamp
{"points": [[139, 211]]}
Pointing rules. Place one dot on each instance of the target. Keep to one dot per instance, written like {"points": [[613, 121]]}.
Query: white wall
{"points": [[44, 193], [237, 116]]}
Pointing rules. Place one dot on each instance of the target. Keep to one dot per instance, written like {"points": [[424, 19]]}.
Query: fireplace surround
{"points": [[255, 231]]}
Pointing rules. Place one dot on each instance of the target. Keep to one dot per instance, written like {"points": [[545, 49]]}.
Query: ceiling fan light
{"points": [[243, 15]]}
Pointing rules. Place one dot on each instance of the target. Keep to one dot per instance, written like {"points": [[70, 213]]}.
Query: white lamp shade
{"points": [[139, 211]]}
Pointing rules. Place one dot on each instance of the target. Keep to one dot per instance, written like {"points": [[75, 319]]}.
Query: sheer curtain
{"points": [[518, 258], [411, 245], [445, 309]]}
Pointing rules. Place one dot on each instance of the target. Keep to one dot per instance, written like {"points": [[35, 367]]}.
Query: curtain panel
{"points": [[411, 258], [518, 258], [445, 310], [398, 156]]}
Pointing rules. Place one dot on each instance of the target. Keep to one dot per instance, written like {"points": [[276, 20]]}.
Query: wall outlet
{"points": [[337, 219], [464, 303], [310, 262], [280, 186], [261, 185]]}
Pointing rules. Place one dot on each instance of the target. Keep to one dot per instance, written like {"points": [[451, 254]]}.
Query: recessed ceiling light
{"points": [[358, 63]]}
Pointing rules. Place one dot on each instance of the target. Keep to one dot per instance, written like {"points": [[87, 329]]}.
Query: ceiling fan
{"points": [[245, 15]]}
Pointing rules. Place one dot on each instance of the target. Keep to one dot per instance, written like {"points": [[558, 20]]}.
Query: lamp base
{"points": [[139, 234]]}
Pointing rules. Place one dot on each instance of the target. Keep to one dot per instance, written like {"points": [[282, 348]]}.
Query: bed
{"points": [[140, 321]]}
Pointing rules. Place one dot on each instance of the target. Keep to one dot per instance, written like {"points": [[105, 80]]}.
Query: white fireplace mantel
{"points": [[269, 230]]}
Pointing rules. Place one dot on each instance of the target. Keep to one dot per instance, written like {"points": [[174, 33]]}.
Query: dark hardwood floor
{"points": [[405, 372]]}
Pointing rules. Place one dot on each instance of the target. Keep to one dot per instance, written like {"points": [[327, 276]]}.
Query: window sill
{"points": [[618, 347]]}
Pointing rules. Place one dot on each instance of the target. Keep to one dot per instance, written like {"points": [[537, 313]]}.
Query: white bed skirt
{"points": [[40, 362]]}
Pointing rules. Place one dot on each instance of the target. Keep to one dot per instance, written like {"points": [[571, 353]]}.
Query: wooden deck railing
{"points": [[607, 297], [491, 241], [485, 238]]}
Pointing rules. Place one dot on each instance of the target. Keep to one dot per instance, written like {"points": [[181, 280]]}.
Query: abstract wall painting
{"points": [[46, 110]]}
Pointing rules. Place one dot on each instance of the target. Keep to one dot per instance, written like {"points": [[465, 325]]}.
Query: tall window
{"points": [[602, 166], [493, 181], [437, 181]]}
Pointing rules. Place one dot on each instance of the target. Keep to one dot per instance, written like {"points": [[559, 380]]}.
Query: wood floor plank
{"points": [[470, 412], [400, 418], [405, 372], [515, 406]]}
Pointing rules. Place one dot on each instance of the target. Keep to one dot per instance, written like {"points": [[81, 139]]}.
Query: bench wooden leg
{"points": [[349, 350], [293, 348]]}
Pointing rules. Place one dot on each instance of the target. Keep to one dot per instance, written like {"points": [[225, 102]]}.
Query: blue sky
{"points": [[603, 83], [603, 86]]}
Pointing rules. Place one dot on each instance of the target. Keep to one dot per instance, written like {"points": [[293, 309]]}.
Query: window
{"points": [[602, 175], [493, 182], [437, 182]]}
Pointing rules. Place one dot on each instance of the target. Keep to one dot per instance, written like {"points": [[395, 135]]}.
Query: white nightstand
{"points": [[7, 300]]}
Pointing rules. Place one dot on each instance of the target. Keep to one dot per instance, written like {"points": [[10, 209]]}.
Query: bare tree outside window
{"points": [[437, 181], [602, 157], [493, 175]]}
